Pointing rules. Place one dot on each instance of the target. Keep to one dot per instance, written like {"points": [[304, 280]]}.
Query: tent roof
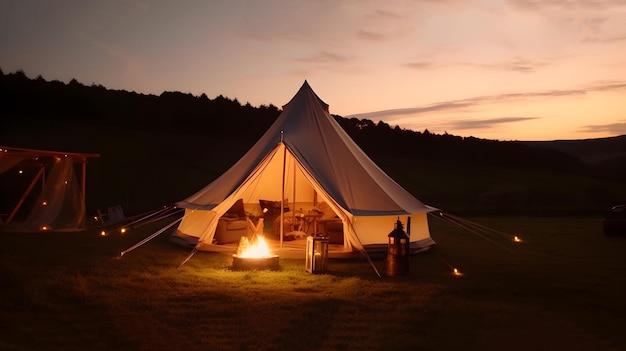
{"points": [[327, 153]]}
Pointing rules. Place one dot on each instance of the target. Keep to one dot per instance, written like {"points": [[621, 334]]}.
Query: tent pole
{"points": [[83, 187], [293, 210], [408, 226], [282, 192], [26, 193]]}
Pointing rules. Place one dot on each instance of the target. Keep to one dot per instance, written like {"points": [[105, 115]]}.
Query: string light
{"points": [[456, 272], [517, 239], [103, 233], [45, 203], [123, 230]]}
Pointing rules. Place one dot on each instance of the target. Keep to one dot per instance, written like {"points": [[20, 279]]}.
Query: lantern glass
{"points": [[316, 254]]}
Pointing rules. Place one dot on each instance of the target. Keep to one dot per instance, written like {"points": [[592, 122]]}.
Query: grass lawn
{"points": [[563, 288]]}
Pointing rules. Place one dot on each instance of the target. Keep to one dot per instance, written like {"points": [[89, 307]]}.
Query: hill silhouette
{"points": [[159, 149]]}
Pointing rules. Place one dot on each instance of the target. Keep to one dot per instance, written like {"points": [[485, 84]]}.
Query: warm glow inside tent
{"points": [[306, 159]]}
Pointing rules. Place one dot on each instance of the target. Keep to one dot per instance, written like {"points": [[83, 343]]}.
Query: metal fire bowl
{"points": [[255, 263]]}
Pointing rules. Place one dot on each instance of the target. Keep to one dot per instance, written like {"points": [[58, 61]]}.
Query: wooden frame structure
{"points": [[41, 158]]}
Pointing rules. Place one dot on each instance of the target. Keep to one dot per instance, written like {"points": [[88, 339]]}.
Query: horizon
{"points": [[280, 109], [499, 70]]}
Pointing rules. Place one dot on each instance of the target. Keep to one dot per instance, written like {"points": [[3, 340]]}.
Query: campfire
{"points": [[254, 255]]}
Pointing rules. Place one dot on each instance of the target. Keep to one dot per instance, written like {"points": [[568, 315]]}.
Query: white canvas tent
{"points": [[306, 157]]}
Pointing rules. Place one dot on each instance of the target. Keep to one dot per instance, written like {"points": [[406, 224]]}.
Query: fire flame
{"points": [[255, 248]]}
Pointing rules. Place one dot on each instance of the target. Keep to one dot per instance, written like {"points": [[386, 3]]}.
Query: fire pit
{"points": [[255, 263], [254, 255]]}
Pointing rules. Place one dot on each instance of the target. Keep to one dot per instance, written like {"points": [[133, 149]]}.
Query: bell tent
{"points": [[303, 171]]}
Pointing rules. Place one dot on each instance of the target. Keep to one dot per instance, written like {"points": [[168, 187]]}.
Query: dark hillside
{"points": [[156, 150], [591, 151], [606, 155]]}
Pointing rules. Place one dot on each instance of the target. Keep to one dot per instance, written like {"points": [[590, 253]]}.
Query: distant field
{"points": [[144, 170], [563, 288]]}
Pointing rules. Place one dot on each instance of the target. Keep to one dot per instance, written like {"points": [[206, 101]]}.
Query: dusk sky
{"points": [[506, 70]]}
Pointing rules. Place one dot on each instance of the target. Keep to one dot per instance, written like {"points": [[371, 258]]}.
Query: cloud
{"points": [[384, 14], [385, 24], [488, 99], [371, 35], [324, 57], [419, 65], [450, 105], [591, 20], [516, 65], [616, 39], [559, 5], [486, 123], [606, 86], [612, 128], [474, 125]]}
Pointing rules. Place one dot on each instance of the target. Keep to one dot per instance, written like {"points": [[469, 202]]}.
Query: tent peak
{"points": [[304, 91]]}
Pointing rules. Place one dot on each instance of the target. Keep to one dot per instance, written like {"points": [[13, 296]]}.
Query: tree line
{"points": [[40, 105]]}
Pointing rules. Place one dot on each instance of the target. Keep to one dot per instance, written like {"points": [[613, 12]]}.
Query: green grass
{"points": [[562, 288]]}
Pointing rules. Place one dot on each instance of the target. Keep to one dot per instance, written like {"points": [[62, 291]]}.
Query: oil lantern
{"points": [[398, 251], [316, 253]]}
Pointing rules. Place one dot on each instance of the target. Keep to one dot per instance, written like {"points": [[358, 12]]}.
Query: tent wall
{"points": [[197, 222], [374, 230]]}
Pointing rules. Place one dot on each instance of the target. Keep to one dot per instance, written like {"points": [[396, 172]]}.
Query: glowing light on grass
{"points": [[456, 272], [123, 230], [103, 233], [517, 239], [45, 203], [45, 227]]}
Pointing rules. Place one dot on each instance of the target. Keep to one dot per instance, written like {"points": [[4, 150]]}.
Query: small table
{"points": [[311, 220]]}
